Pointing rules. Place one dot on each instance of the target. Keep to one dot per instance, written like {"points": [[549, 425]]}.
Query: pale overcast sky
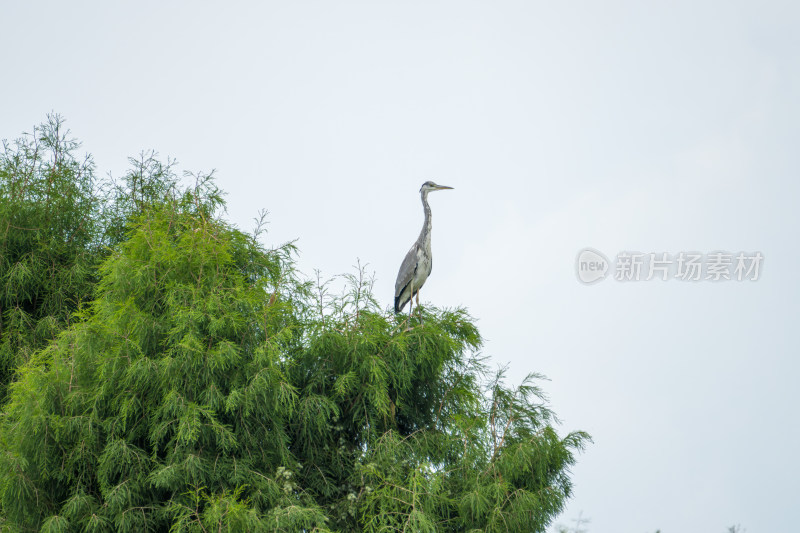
{"points": [[621, 126]]}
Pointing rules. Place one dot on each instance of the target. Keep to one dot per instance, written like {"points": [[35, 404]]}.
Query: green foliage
{"points": [[49, 236], [148, 183], [205, 387], [57, 223]]}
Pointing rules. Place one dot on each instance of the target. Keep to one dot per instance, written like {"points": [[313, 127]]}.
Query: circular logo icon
{"points": [[591, 266]]}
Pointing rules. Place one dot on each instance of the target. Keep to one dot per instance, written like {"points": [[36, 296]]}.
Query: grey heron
{"points": [[418, 262]]}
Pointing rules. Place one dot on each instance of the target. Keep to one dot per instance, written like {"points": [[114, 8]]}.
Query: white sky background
{"points": [[615, 125]]}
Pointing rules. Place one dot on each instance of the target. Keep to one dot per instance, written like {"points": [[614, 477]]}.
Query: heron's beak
{"points": [[442, 187]]}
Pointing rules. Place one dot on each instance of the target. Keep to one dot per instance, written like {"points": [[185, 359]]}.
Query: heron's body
{"points": [[418, 263]]}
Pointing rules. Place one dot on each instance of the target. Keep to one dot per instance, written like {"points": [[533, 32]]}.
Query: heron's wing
{"points": [[404, 277], [406, 272]]}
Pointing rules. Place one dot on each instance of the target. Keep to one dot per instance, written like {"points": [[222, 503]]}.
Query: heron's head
{"points": [[429, 186]]}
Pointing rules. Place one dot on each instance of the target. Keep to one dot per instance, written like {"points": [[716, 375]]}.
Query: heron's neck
{"points": [[425, 234]]}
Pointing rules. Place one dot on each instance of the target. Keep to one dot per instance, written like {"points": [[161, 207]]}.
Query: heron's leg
{"points": [[411, 301]]}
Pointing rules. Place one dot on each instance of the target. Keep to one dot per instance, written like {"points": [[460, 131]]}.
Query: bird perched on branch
{"points": [[418, 263]]}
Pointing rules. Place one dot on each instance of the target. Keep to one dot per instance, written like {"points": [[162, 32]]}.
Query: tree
{"points": [[57, 223], [205, 387], [49, 240]]}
